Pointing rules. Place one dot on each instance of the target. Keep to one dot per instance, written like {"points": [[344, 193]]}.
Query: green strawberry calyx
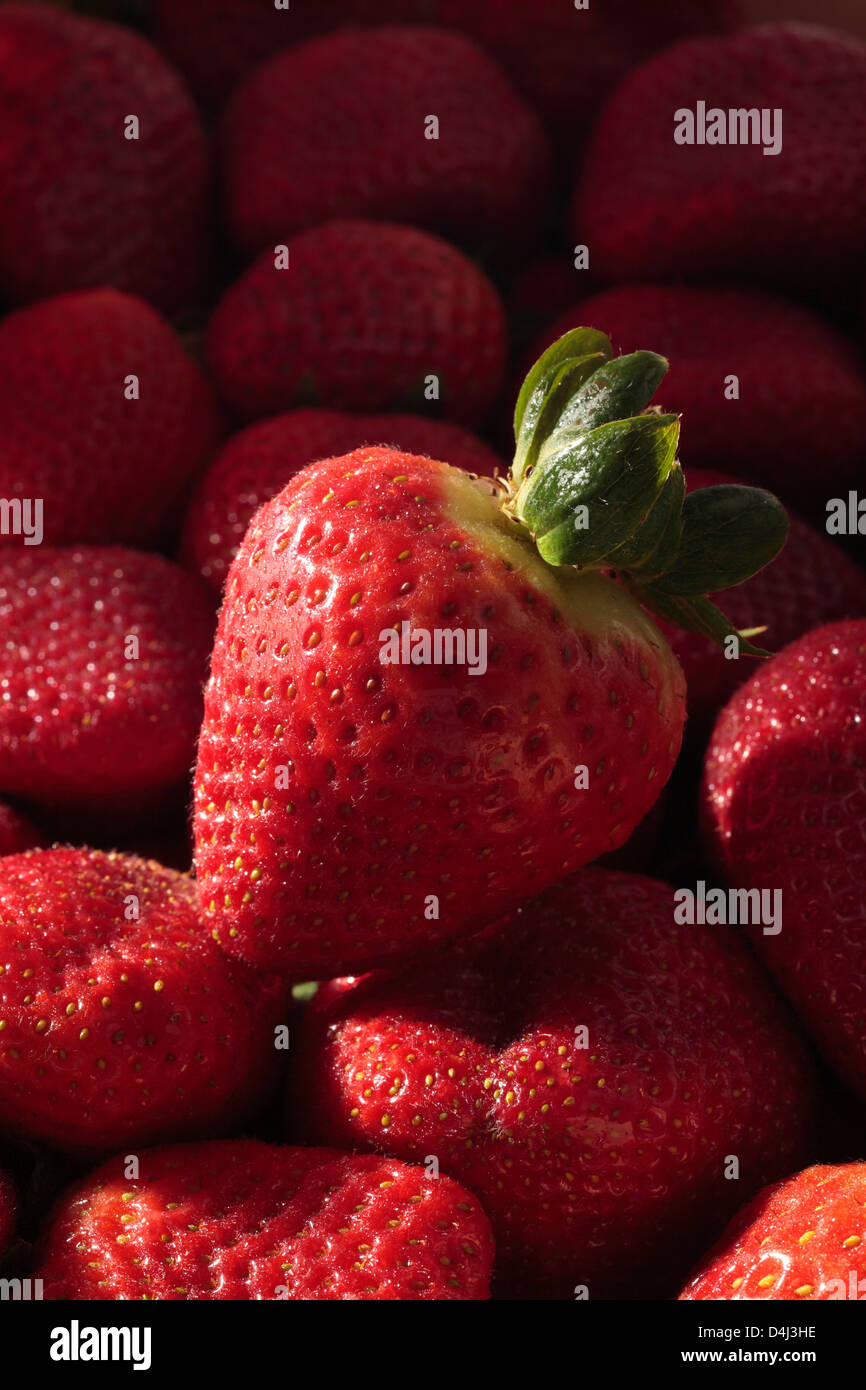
{"points": [[596, 480]]}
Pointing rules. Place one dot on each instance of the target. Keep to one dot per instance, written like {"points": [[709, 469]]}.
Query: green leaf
{"points": [[561, 390], [695, 614], [729, 533], [579, 343], [588, 491], [616, 390], [653, 547]]}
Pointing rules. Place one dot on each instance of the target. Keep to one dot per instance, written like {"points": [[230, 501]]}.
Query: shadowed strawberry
{"points": [[88, 198], [332, 128], [104, 419], [245, 1220], [802, 1240], [105, 654], [17, 833], [785, 807], [8, 1211], [766, 388], [588, 1068], [361, 791], [677, 185], [258, 461], [367, 316], [122, 1022]]}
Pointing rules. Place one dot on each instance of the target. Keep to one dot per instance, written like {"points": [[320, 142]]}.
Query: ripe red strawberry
{"points": [[801, 383], [355, 802], [566, 60], [259, 460], [803, 1239], [587, 1069], [122, 1022], [652, 208], [364, 315], [84, 203], [16, 831], [810, 582], [105, 655], [107, 465], [785, 801], [245, 1220], [331, 128], [8, 1210]]}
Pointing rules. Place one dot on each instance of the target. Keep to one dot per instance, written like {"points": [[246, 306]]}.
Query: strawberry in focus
{"points": [[84, 202], [367, 316], [246, 1220], [586, 1068], [107, 465], [357, 799], [785, 810], [122, 1023], [258, 461], [803, 1239]]}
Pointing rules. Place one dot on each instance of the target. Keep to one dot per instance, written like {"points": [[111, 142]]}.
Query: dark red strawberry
{"points": [[122, 1022], [800, 384], [105, 654], [104, 419], [258, 461], [651, 207], [362, 791], [802, 1240], [588, 1069], [333, 128], [785, 802], [368, 316], [16, 831], [87, 198], [245, 1220], [8, 1210], [809, 583]]}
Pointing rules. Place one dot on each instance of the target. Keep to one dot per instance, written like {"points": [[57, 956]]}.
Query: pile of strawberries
{"points": [[414, 883]]}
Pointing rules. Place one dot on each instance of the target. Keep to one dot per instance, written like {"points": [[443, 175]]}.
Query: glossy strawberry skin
{"points": [[654, 209], [802, 1240], [335, 793], [784, 798], [246, 1220], [363, 316], [810, 583], [84, 204], [120, 1030], [802, 385], [331, 128], [17, 833], [599, 1165], [85, 723], [258, 461], [107, 468]]}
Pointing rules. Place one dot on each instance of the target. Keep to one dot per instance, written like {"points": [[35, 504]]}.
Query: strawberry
{"points": [[801, 384], [87, 201], [259, 460], [106, 465], [809, 583], [803, 1239], [566, 60], [363, 317], [239, 1219], [16, 831], [785, 802], [650, 207], [331, 128], [8, 1211], [360, 793], [587, 1068], [105, 655], [122, 1021]]}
